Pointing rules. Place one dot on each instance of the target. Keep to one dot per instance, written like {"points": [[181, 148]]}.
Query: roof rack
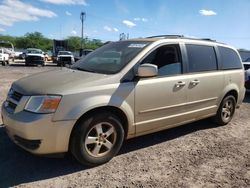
{"points": [[166, 36], [180, 36], [208, 39]]}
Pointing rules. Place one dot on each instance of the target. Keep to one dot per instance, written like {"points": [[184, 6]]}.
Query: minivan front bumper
{"points": [[37, 133]]}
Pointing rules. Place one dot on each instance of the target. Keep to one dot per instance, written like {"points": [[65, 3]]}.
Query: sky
{"points": [[226, 21]]}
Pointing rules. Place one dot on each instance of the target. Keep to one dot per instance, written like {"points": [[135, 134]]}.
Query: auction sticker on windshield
{"points": [[137, 45]]}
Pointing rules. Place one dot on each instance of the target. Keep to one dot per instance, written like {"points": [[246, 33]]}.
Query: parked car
{"points": [[18, 55], [4, 56], [247, 73], [48, 56], [34, 56], [65, 58], [82, 54], [123, 90]]}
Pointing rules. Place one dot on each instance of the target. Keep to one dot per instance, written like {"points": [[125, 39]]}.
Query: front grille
{"points": [[12, 105], [13, 100], [65, 59], [34, 58], [29, 144], [16, 96]]}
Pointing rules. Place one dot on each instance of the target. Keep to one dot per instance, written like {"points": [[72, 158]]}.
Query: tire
{"points": [[226, 110], [3, 63], [106, 133]]}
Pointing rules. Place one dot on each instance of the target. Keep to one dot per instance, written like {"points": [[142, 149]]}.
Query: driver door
{"points": [[160, 101]]}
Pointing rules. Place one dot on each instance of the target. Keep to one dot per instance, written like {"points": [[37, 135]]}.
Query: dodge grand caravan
{"points": [[123, 90]]}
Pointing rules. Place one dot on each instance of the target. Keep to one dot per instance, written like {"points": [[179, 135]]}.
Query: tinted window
{"points": [[229, 58], [167, 58], [201, 58]]}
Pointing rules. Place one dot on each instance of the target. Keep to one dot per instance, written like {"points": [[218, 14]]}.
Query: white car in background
{"points": [[34, 56], [65, 58], [4, 56]]}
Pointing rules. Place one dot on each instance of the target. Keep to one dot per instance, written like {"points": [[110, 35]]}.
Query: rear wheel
{"points": [[226, 110], [97, 139]]}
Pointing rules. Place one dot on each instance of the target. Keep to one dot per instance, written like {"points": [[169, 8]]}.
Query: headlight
{"points": [[43, 104]]}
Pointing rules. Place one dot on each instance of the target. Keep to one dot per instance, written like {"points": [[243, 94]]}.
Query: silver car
{"points": [[123, 90]]}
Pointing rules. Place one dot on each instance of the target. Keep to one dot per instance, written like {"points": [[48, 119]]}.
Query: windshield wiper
{"points": [[86, 70]]}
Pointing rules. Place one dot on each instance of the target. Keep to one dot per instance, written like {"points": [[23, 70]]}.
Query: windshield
{"points": [[111, 58], [1, 51], [64, 53], [34, 52]]}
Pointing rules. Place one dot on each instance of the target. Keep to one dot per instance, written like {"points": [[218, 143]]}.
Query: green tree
{"points": [[37, 40], [7, 38], [74, 43]]}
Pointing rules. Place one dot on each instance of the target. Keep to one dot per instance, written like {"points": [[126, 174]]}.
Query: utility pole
{"points": [[82, 18]]}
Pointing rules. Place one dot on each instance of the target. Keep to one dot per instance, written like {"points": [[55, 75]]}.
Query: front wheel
{"points": [[226, 110], [97, 139]]}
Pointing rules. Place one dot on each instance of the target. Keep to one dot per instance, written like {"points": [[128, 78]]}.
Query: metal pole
{"points": [[82, 18]]}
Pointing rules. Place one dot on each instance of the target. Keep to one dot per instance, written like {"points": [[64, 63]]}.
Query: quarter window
{"points": [[230, 59], [201, 58]]}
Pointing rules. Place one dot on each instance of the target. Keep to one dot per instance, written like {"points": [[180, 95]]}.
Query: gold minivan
{"points": [[123, 90]]}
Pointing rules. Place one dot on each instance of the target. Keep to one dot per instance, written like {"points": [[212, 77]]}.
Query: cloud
{"points": [[115, 29], [140, 19], [66, 2], [12, 11], [109, 29], [207, 12], [73, 32], [68, 13], [129, 23], [2, 30]]}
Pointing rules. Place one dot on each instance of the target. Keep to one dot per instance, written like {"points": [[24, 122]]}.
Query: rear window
{"points": [[201, 58], [229, 58]]}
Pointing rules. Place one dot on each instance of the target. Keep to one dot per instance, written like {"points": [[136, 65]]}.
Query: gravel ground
{"points": [[194, 155]]}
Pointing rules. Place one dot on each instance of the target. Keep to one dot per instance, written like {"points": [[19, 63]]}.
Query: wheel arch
{"points": [[234, 93], [115, 110]]}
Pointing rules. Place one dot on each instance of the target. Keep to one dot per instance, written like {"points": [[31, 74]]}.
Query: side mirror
{"points": [[147, 70]]}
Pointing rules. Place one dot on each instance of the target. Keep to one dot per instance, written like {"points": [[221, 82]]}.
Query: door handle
{"points": [[195, 82], [180, 84]]}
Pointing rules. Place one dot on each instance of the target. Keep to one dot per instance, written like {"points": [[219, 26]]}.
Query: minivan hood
{"points": [[57, 82]]}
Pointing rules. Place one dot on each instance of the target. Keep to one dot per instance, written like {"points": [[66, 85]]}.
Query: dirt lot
{"points": [[194, 155]]}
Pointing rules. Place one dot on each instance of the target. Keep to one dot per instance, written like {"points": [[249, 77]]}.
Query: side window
{"points": [[230, 59], [167, 58], [201, 58]]}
